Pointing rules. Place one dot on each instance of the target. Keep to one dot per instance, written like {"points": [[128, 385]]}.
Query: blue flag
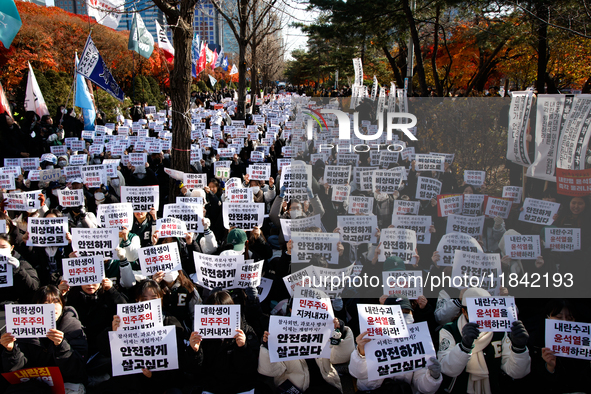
{"points": [[84, 100], [93, 67], [225, 63], [10, 22], [194, 55]]}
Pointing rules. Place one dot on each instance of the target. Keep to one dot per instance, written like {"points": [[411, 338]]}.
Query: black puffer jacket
{"points": [[227, 368], [96, 311], [69, 356], [25, 282]]}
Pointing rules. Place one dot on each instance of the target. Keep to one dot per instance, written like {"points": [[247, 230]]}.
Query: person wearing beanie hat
{"points": [[474, 361]]}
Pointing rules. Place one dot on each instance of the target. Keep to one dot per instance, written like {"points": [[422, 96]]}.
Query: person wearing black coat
{"points": [[24, 276], [64, 347], [227, 366]]}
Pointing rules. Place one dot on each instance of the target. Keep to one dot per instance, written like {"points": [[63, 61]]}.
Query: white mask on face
{"points": [[255, 189], [296, 213], [171, 276], [409, 318]]}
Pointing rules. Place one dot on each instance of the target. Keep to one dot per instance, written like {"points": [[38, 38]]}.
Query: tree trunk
{"points": [[394, 66], [420, 70], [180, 81], [438, 86]]}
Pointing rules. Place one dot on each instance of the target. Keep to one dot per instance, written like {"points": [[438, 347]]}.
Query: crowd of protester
{"points": [[467, 360]]}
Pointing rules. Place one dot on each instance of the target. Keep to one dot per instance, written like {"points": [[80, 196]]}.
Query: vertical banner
{"points": [[574, 136], [551, 108], [521, 103]]}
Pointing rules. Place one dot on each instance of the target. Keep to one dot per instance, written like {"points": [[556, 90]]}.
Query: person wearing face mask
{"points": [[79, 217], [64, 346], [116, 183], [425, 381], [294, 209], [62, 161], [474, 361]]}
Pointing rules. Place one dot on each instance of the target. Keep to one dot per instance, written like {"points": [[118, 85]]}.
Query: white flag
{"points": [[164, 43], [234, 70], [103, 11], [212, 80], [34, 99]]}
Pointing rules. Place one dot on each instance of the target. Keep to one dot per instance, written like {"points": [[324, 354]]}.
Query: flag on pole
{"points": [[234, 70], [164, 43], [105, 11], [195, 55], [93, 67], [212, 80], [202, 58], [4, 104], [34, 99], [220, 58], [215, 59], [225, 63], [85, 100], [208, 54], [140, 39], [10, 22]]}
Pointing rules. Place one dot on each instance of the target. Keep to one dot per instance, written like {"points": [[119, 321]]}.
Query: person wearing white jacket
{"points": [[472, 361], [422, 381], [297, 371]]}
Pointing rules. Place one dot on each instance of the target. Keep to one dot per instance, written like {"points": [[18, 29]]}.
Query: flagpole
{"points": [[133, 77]]}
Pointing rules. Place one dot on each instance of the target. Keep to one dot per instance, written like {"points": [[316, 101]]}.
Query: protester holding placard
{"points": [[147, 380], [317, 374], [472, 361], [180, 295], [25, 280], [48, 260], [227, 365], [143, 226], [293, 209], [65, 346], [573, 214], [553, 373], [96, 304]]}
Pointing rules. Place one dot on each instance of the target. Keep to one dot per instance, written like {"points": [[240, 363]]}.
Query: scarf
{"points": [[478, 382]]}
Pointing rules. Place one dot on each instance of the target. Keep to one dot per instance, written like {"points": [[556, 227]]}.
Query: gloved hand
{"points": [[498, 222], [251, 293], [121, 256], [519, 335], [337, 304], [282, 191], [435, 368], [14, 262], [469, 333]]}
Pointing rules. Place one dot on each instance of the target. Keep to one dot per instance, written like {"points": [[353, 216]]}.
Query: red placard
{"points": [[50, 375], [575, 183]]}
